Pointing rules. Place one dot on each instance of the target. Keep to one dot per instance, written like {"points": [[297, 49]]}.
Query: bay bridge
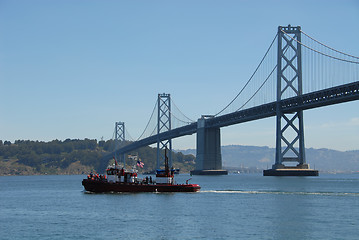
{"points": [[295, 74]]}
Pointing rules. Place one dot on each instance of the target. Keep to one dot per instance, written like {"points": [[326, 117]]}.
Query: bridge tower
{"points": [[163, 125], [289, 125], [120, 137]]}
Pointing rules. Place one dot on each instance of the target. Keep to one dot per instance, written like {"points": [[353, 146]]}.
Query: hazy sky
{"points": [[72, 68]]}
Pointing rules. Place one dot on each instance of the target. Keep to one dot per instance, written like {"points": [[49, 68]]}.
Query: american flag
{"points": [[140, 164]]}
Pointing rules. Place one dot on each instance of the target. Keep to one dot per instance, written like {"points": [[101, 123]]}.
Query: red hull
{"points": [[103, 186]]}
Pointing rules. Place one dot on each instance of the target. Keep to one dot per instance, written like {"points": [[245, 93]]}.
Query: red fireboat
{"points": [[120, 180]]}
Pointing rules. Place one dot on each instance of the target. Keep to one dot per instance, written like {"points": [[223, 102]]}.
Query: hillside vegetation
{"points": [[74, 156]]}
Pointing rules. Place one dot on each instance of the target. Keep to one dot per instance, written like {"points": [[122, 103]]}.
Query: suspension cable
{"points": [[129, 135], [153, 131], [153, 111], [249, 78], [191, 121], [258, 89], [180, 119], [328, 46], [324, 54]]}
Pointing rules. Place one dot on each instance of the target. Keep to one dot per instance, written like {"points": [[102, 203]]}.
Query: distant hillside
{"points": [[74, 156], [327, 160]]}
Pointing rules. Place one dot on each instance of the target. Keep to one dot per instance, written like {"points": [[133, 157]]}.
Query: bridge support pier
{"points": [[209, 157], [282, 170]]}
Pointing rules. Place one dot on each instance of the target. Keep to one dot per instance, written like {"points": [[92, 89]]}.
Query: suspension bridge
{"points": [[295, 74]]}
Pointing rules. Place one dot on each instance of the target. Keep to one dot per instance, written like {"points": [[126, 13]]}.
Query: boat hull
{"points": [[103, 187]]}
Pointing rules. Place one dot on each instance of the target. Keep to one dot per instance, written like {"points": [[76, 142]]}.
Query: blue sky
{"points": [[71, 68]]}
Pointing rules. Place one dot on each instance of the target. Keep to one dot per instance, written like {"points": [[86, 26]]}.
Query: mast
{"points": [[167, 169]]}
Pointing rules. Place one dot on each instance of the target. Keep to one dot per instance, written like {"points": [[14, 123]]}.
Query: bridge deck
{"points": [[325, 97]]}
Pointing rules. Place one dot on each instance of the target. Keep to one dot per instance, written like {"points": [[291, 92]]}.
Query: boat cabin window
{"points": [[112, 171]]}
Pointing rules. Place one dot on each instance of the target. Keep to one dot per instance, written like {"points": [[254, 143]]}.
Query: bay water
{"points": [[237, 206]]}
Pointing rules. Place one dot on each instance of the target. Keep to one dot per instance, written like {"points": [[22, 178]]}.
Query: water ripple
{"points": [[353, 194]]}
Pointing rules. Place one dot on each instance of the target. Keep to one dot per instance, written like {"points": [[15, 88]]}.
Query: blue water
{"points": [[245, 206]]}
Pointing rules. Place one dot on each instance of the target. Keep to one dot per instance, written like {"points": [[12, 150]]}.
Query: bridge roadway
{"points": [[330, 96]]}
